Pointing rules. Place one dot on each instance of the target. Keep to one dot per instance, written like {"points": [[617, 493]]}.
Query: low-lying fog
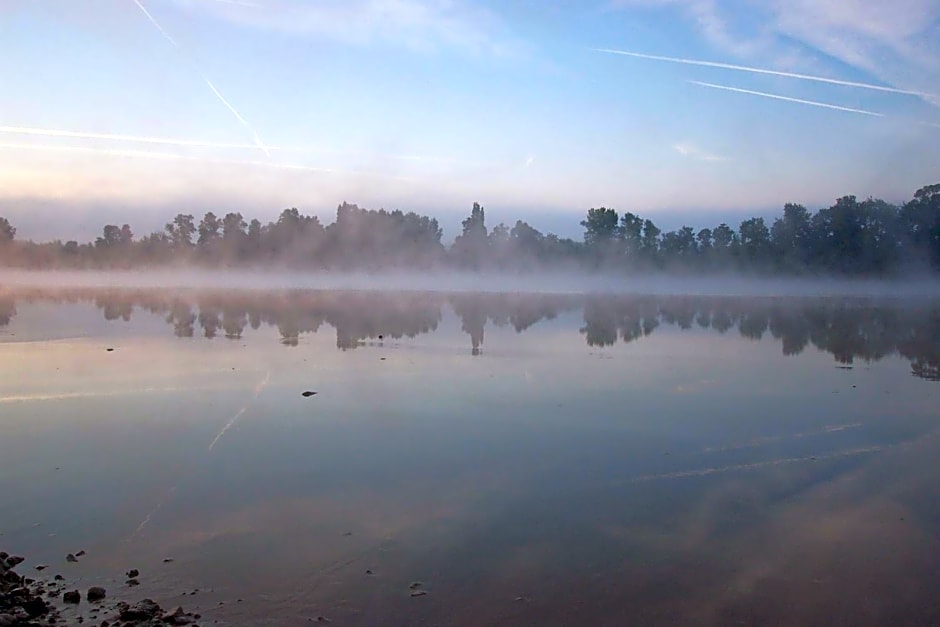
{"points": [[559, 283]]}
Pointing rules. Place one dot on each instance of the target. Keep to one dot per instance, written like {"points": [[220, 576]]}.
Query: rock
{"points": [[308, 393], [71, 558], [59, 578], [143, 610], [179, 617], [41, 567], [418, 593], [414, 585], [14, 560], [72, 597], [96, 593], [110, 350], [132, 573], [132, 582], [167, 560], [80, 553], [7, 620], [35, 606]]}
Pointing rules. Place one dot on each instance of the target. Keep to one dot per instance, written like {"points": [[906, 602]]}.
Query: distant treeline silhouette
{"points": [[850, 329], [852, 237]]}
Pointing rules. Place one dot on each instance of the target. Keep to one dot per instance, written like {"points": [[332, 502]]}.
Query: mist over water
{"points": [[495, 282]]}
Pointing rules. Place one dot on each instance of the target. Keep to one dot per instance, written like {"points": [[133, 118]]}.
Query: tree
{"points": [[600, 227], [755, 240], [7, 231], [181, 231], [791, 235], [920, 221], [209, 229], [110, 237], [471, 245]]}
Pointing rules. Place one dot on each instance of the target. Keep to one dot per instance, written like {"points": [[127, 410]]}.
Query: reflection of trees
{"points": [[520, 311], [7, 309], [848, 329]]}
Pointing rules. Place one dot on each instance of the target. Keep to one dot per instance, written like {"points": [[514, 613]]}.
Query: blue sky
{"points": [[133, 111]]}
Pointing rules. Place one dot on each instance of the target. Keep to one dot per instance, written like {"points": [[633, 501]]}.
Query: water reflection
{"points": [[849, 329]]}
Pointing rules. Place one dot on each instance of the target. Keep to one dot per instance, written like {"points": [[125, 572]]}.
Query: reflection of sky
{"points": [[541, 465]]}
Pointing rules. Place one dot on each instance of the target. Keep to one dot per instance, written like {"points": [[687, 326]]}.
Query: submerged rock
{"points": [[308, 393], [96, 593], [132, 573], [71, 558], [73, 596]]}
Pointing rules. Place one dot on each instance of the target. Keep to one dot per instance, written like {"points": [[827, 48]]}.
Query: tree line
{"points": [[853, 237]]}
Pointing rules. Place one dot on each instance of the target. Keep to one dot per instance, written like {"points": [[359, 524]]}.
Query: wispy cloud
{"points": [[205, 78], [170, 156], [412, 24], [755, 70], [896, 42], [690, 150], [198, 143], [813, 103]]}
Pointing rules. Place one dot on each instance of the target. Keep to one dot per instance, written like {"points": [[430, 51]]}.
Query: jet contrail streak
{"points": [[208, 82], [755, 70], [169, 156], [240, 412], [198, 143], [788, 99]]}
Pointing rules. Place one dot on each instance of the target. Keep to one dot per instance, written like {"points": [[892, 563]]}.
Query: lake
{"points": [[520, 458]]}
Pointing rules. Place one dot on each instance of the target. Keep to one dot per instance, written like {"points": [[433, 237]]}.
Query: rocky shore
{"points": [[41, 601]]}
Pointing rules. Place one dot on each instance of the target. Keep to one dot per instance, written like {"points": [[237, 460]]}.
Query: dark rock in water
{"points": [[110, 350], [40, 567], [132, 573], [308, 394], [369, 572], [418, 593], [14, 560], [179, 617], [96, 593], [7, 620], [143, 610], [167, 560], [72, 597], [34, 606], [414, 585], [59, 578], [71, 558], [80, 553], [132, 582]]}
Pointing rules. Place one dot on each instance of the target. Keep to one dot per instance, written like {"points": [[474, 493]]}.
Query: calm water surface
{"points": [[528, 459]]}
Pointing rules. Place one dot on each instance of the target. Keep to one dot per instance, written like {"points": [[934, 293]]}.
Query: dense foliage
{"points": [[868, 237]]}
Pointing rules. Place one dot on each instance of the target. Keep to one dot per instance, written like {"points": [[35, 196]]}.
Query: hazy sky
{"points": [[134, 110]]}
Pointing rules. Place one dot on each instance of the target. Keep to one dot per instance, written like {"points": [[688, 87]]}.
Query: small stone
{"points": [[418, 593], [80, 553], [72, 597], [59, 578], [132, 582], [167, 560], [414, 585], [110, 350], [96, 593], [308, 393], [132, 573], [144, 610], [40, 567], [368, 572], [71, 558]]}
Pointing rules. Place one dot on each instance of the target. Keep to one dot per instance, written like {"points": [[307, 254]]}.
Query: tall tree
{"points": [[181, 231], [600, 227], [7, 231]]}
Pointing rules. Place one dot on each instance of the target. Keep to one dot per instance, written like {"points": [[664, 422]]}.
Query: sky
{"points": [[691, 111]]}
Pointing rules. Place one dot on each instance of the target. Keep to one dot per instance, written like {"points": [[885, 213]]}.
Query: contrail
{"points": [[171, 156], [755, 70], [198, 143], [240, 412], [147, 518], [788, 99], [208, 82], [760, 441], [703, 472]]}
